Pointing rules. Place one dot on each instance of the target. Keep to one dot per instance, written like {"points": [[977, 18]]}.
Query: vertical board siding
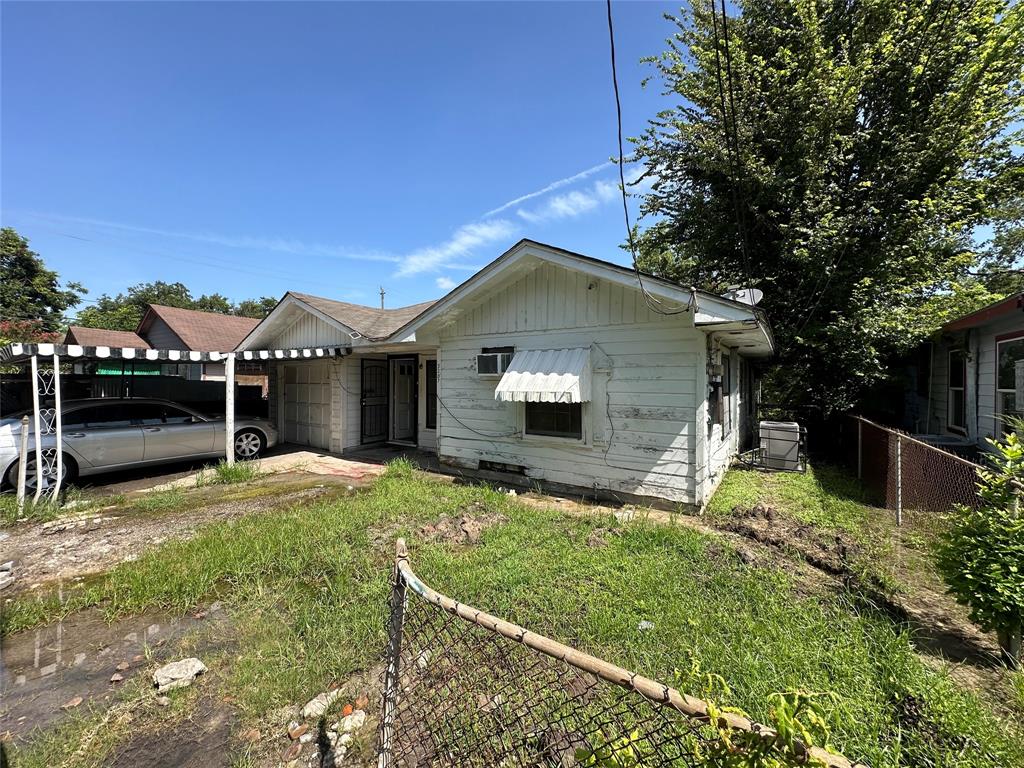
{"points": [[310, 331], [641, 428], [551, 298]]}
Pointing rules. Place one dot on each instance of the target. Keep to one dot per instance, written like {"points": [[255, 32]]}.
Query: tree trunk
{"points": [[1011, 646]]}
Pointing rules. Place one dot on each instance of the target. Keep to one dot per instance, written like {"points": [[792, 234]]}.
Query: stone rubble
{"points": [[177, 674], [319, 704], [77, 522]]}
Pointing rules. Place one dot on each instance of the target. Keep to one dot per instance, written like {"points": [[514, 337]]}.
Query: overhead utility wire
{"points": [[653, 302]]}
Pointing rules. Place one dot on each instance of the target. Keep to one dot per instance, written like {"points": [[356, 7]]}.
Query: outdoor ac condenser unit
{"points": [[780, 444]]}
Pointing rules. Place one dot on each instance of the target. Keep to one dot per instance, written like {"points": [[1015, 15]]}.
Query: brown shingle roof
{"points": [[202, 331], [368, 321], [101, 337]]}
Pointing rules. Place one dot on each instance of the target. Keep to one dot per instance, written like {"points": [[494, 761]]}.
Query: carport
{"points": [[43, 363]]}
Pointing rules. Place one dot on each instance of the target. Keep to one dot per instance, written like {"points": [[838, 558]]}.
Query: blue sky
{"points": [[252, 148]]}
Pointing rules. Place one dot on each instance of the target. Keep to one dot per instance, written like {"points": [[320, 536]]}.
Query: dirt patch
{"points": [[58, 668], [74, 548], [831, 552], [464, 528], [201, 740], [599, 536]]}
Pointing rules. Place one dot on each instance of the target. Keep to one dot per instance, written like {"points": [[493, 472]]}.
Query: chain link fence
{"points": [[902, 472], [463, 688]]}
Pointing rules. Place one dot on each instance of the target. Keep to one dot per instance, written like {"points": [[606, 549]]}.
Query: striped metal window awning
{"points": [[547, 376]]}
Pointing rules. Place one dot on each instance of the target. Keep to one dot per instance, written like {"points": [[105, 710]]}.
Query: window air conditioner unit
{"points": [[493, 363]]}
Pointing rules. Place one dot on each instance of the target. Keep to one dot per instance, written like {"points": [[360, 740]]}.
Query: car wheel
{"points": [[70, 472], [249, 444]]}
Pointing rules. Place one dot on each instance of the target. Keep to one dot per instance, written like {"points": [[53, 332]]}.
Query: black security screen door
{"points": [[374, 401]]}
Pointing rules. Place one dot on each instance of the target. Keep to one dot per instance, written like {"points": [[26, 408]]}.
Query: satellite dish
{"points": [[749, 296]]}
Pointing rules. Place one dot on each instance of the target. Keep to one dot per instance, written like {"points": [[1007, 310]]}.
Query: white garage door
{"points": [[307, 404]]}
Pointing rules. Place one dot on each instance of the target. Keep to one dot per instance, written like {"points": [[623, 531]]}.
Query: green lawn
{"points": [[308, 587]]}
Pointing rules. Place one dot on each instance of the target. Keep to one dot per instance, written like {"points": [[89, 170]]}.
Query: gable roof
{"points": [[710, 311], [200, 331], [366, 321], [994, 311], [101, 337]]}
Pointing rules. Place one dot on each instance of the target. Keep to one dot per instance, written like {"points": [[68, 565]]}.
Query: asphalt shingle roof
{"points": [[204, 331], [101, 337], [368, 321]]}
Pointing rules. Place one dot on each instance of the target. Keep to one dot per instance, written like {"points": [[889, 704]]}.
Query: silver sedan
{"points": [[106, 434]]}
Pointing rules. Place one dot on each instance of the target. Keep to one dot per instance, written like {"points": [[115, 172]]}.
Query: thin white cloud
{"points": [[248, 242], [445, 283], [571, 204], [549, 188], [459, 245]]}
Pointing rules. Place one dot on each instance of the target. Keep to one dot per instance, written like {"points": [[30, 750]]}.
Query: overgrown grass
{"points": [[34, 513], [227, 474], [159, 501], [308, 590], [72, 501], [824, 496]]}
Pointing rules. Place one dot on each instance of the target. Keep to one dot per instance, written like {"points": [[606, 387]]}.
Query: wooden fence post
{"points": [[899, 480]]}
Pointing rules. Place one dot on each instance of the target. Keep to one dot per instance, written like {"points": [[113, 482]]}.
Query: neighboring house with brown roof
{"points": [[546, 363], [189, 329], [164, 327], [101, 337]]}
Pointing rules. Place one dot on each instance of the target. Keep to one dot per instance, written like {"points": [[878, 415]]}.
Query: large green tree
{"points": [[840, 156], [123, 311], [32, 300]]}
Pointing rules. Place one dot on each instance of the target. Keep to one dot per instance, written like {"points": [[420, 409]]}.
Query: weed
{"points": [[160, 501], [228, 474], [34, 512]]}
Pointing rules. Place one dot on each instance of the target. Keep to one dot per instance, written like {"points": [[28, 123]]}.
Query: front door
{"points": [[374, 401], [403, 399]]}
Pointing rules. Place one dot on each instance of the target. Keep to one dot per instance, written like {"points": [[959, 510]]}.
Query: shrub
{"points": [[981, 553]]}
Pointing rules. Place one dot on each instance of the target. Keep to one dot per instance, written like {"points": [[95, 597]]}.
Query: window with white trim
{"points": [[1008, 353], [957, 396], [554, 420]]}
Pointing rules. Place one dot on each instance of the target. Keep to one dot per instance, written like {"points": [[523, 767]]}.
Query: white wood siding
{"points": [[310, 331], [723, 439], [551, 297], [641, 428]]}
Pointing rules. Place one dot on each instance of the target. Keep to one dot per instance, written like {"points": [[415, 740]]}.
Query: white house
{"points": [[546, 363]]}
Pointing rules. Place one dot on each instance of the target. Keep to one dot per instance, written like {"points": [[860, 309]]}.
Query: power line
{"points": [[653, 302]]}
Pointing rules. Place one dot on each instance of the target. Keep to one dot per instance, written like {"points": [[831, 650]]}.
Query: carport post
{"points": [[35, 426], [229, 408], [22, 465], [56, 426]]}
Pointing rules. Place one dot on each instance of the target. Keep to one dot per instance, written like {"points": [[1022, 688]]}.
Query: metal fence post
{"points": [[393, 668], [22, 465], [899, 480]]}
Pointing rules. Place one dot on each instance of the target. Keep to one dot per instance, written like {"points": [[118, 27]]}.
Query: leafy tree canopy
{"points": [[124, 311], [31, 298], [840, 156]]}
